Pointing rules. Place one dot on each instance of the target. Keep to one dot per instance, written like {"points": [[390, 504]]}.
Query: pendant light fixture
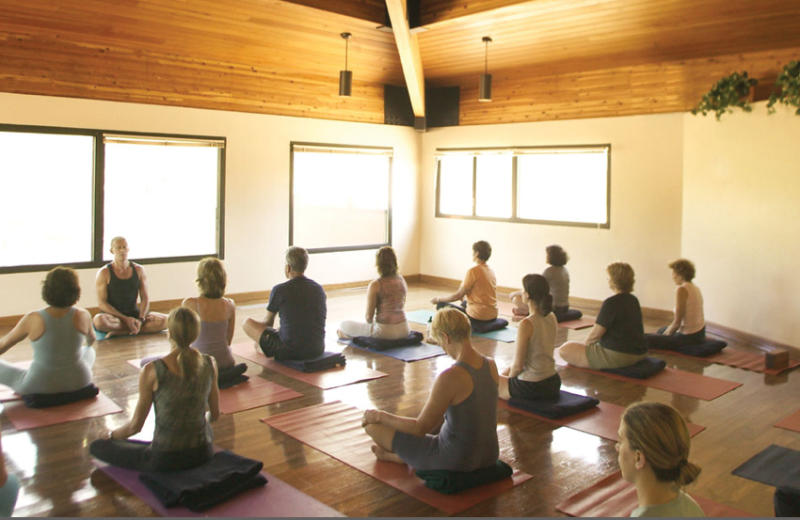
{"points": [[346, 76], [485, 88]]}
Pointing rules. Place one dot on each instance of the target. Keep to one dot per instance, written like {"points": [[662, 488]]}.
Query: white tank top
{"points": [[693, 320], [539, 362]]}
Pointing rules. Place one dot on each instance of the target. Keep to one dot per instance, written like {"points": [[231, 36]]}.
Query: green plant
{"points": [[788, 83], [730, 91]]}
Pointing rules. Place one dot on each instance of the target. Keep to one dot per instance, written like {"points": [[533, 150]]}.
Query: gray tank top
{"points": [[469, 431], [539, 361], [180, 407], [60, 345], [213, 340]]}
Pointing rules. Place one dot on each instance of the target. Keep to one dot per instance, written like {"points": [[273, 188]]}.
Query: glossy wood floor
{"points": [[58, 478]]}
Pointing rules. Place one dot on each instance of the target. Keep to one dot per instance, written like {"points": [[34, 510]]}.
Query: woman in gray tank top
{"points": [[462, 406], [61, 362]]}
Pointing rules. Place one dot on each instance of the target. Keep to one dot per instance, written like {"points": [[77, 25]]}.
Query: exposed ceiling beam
{"points": [[410, 59], [368, 10], [443, 13]]}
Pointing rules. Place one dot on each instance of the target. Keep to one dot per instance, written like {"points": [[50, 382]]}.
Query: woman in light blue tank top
{"points": [[61, 362], [462, 407]]}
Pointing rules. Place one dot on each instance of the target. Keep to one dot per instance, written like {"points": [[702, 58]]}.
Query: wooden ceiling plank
{"points": [[408, 48], [368, 10]]}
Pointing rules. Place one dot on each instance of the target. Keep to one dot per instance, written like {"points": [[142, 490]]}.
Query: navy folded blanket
{"points": [[450, 482], [565, 405], [648, 367], [482, 327], [707, 348], [415, 338], [229, 377], [218, 480], [326, 361], [570, 315], [787, 501], [48, 400]]}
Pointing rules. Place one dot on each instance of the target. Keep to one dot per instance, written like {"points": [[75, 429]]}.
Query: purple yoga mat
{"points": [[276, 499]]}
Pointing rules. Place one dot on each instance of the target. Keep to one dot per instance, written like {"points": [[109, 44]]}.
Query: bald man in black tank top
{"points": [[119, 285]]}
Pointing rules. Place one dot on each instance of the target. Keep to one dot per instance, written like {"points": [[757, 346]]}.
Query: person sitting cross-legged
{"points": [[479, 288]]}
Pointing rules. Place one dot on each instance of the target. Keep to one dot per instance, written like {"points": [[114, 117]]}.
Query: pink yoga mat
{"points": [[333, 378], [24, 418], [790, 423], [614, 497], [276, 499], [671, 380], [335, 429], [254, 393], [603, 420], [739, 359]]}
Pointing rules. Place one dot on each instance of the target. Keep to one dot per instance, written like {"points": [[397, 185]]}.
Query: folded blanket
{"points": [[326, 361], [482, 327], [567, 404], [570, 315], [648, 367], [221, 478], [48, 400], [450, 482], [415, 338], [232, 376]]}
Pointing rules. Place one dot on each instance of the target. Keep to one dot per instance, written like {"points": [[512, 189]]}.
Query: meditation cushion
{"points": [[415, 338], [48, 400], [708, 348], [565, 405], [450, 482], [570, 315], [648, 367], [220, 479], [228, 377], [326, 361], [787, 501], [482, 327]]}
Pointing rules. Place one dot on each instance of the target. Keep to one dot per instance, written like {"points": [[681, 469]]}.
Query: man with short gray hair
{"points": [[302, 305]]}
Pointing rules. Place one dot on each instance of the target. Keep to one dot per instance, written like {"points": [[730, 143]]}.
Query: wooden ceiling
{"points": [[551, 59]]}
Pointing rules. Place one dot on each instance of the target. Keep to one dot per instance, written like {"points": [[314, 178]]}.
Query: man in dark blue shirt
{"points": [[302, 306]]}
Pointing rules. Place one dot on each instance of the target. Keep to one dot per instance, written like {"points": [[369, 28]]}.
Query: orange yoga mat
{"points": [[671, 380], [614, 497], [253, 393], [754, 361], [335, 429], [333, 378], [602, 420], [24, 418], [790, 423]]}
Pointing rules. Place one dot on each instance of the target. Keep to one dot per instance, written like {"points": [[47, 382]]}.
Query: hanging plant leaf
{"points": [[730, 91], [787, 88]]}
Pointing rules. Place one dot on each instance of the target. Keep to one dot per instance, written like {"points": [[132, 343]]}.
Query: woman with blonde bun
{"points": [[653, 450]]}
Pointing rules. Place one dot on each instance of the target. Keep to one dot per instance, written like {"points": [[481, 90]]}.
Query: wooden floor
{"points": [[58, 478]]}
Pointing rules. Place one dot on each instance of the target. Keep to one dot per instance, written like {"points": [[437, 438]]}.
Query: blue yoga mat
{"points": [[407, 354], [774, 466], [99, 334], [508, 335], [421, 316]]}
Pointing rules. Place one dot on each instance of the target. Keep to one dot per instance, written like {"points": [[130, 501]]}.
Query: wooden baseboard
{"points": [[747, 338]]}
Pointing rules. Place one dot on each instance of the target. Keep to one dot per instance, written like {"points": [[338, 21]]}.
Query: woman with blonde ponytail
{"points": [[181, 386], [533, 374], [653, 452]]}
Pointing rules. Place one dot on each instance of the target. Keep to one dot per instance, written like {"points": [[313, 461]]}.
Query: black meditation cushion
{"points": [[482, 327], [648, 367], [415, 338], [708, 348], [450, 482], [565, 405], [326, 361], [570, 315], [229, 377], [48, 400]]}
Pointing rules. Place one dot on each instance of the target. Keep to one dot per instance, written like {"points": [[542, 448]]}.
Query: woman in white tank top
{"points": [[688, 325]]}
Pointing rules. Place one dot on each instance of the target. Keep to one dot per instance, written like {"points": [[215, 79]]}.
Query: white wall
{"points": [[257, 191], [646, 164], [741, 218]]}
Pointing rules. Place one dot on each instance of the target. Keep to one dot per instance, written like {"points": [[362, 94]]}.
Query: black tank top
{"points": [[122, 294]]}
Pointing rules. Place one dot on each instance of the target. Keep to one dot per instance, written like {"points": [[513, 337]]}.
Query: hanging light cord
{"points": [[346, 51], [486, 65]]}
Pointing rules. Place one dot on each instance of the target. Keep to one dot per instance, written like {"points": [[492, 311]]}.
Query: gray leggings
{"points": [[43, 379]]}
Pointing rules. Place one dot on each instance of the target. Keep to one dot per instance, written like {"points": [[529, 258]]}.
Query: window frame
{"points": [[514, 193], [340, 249], [98, 206]]}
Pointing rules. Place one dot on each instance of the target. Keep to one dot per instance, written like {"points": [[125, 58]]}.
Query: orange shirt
{"points": [[481, 286]]}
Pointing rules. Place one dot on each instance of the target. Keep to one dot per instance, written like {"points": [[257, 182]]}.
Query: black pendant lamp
{"points": [[346, 76], [485, 87]]}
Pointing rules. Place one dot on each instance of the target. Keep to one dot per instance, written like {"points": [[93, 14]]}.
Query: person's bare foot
{"points": [[430, 341], [341, 334], [385, 455], [115, 333]]}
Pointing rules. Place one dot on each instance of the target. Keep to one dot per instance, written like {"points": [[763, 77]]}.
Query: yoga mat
{"points": [[775, 466], [583, 323], [335, 429], [614, 497], [508, 334], [253, 393], [333, 378], [507, 309], [790, 423], [6, 394], [276, 499], [602, 420], [420, 316], [24, 418], [754, 361], [101, 335], [407, 354], [675, 381]]}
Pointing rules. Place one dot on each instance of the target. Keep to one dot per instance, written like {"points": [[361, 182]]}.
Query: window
{"points": [[340, 197], [553, 185], [74, 190]]}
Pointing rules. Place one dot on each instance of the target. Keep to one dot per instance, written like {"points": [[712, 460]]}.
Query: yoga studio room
{"points": [[399, 258]]}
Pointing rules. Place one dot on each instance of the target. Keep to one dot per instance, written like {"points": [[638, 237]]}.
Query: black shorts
{"points": [[533, 391]]}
